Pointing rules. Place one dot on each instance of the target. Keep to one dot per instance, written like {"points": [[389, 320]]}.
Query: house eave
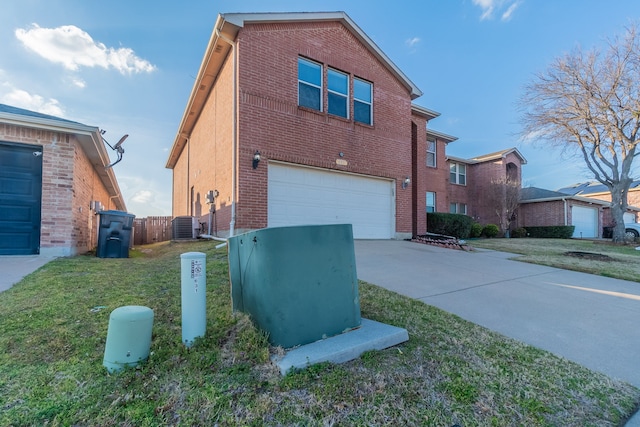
{"points": [[90, 140]]}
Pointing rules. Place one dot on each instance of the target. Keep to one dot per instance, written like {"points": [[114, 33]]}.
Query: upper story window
{"points": [[362, 101], [309, 84], [431, 153], [311, 92], [338, 93], [458, 173], [459, 208], [431, 201]]}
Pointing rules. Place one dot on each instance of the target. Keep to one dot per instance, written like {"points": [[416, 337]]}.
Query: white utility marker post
{"points": [[194, 296]]}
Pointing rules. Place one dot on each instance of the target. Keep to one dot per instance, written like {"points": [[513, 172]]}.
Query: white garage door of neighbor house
{"points": [[629, 217], [585, 220], [305, 196]]}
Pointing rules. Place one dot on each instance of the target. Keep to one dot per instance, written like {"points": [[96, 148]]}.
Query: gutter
{"points": [[234, 134]]}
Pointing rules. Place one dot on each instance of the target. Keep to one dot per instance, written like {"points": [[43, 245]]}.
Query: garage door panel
{"points": [[301, 196], [20, 199], [585, 220]]}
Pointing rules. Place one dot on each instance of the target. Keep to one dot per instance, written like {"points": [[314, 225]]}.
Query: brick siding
{"points": [[69, 184]]}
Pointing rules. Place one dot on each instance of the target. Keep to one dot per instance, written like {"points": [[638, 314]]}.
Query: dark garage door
{"points": [[20, 195]]}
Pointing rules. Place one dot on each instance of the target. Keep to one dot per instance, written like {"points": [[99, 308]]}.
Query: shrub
{"points": [[519, 232], [552, 232], [476, 230], [490, 230], [455, 225]]}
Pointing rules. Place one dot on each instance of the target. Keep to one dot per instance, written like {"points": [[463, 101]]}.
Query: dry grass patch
{"points": [[598, 257]]}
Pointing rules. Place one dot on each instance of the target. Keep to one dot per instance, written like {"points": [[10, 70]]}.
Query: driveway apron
{"points": [[591, 320]]}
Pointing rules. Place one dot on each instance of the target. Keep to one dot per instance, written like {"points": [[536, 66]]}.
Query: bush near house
{"points": [[476, 230], [519, 232], [455, 225], [490, 230], [552, 231]]}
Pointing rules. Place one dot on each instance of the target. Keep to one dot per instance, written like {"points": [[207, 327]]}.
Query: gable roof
{"points": [[535, 195], [500, 155], [223, 36], [89, 137], [489, 157]]}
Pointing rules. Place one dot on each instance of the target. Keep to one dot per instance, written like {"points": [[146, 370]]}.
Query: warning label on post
{"points": [[196, 269]]}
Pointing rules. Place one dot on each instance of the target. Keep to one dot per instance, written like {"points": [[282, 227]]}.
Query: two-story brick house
{"points": [[52, 182], [470, 181], [300, 118]]}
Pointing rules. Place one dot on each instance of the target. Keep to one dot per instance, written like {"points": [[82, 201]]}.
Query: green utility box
{"points": [[298, 284]]}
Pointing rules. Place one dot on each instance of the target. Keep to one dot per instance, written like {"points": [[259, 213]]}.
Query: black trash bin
{"points": [[114, 234]]}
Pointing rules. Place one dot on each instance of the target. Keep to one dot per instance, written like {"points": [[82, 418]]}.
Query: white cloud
{"points": [[506, 16], [490, 6], [23, 99], [142, 196], [74, 48], [412, 42], [78, 83]]}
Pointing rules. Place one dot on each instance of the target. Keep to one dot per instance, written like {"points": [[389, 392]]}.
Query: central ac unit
{"points": [[185, 227]]}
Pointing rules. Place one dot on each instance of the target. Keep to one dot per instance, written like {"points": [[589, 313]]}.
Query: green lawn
{"points": [[53, 330]]}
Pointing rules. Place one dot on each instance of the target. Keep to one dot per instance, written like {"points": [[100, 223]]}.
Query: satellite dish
{"points": [[120, 142], [118, 148]]}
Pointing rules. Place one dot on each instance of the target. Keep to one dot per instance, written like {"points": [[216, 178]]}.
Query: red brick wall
{"points": [[541, 214], [69, 183], [272, 122], [205, 163], [437, 179]]}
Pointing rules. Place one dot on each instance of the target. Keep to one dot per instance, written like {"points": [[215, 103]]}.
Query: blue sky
{"points": [[128, 67]]}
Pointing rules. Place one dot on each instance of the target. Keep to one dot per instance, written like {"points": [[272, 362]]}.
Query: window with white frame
{"points": [[431, 153], [362, 101], [459, 208], [431, 201], [309, 84], [338, 93], [458, 173]]}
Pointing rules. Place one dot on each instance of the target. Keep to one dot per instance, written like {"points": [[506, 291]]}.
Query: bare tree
{"points": [[504, 196], [589, 104]]}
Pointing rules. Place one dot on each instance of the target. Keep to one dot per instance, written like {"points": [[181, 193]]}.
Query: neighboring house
{"points": [[470, 182], [300, 118], [52, 173], [596, 190], [540, 207]]}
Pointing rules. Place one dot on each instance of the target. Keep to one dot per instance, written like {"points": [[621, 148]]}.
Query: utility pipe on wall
{"points": [[234, 135]]}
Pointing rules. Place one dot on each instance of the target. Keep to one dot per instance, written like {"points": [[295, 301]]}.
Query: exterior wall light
{"points": [[406, 182], [256, 159]]}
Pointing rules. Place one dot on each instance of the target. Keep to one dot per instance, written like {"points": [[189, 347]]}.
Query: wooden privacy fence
{"points": [[151, 229]]}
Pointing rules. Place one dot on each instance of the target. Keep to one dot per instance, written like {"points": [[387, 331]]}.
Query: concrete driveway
{"points": [[591, 320], [14, 267]]}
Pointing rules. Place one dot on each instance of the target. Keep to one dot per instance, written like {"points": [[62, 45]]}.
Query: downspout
{"points": [[234, 135], [566, 219]]}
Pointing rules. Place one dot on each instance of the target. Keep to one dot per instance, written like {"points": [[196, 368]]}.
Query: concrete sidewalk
{"points": [[14, 267], [588, 319]]}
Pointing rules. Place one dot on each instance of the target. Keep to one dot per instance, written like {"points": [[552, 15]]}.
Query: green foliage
{"points": [[552, 232], [519, 232], [476, 230], [455, 225], [490, 230]]}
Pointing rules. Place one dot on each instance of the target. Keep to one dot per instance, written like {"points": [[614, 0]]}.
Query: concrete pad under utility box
{"points": [[342, 348]]}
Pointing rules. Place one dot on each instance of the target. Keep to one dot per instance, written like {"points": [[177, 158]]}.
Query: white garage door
{"points": [[586, 221], [629, 217], [306, 196]]}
